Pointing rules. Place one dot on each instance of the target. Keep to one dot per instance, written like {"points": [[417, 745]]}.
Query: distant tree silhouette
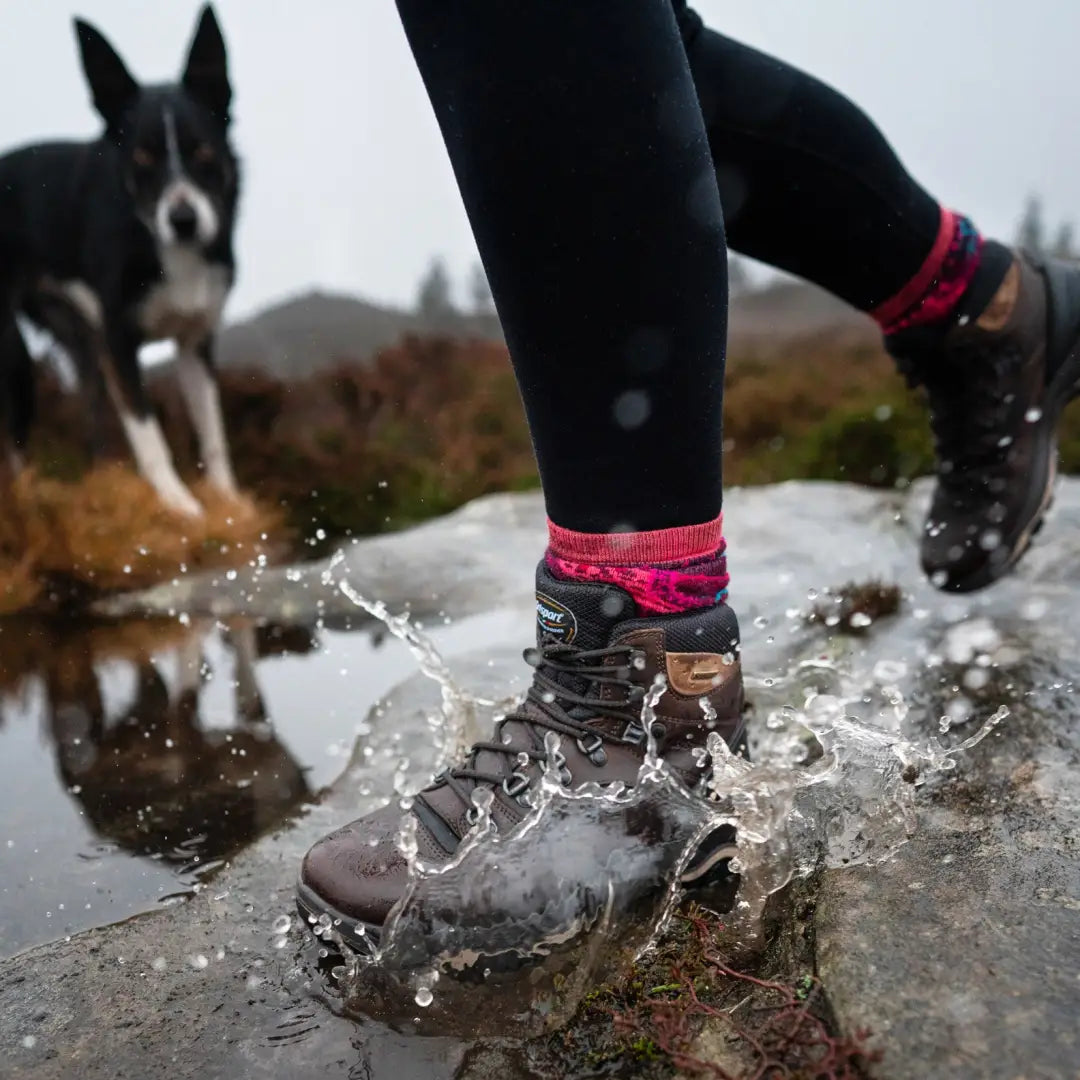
{"points": [[434, 297], [480, 299], [1031, 234], [1064, 242]]}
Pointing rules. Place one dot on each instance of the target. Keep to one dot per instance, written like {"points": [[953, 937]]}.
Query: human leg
{"points": [[580, 152]]}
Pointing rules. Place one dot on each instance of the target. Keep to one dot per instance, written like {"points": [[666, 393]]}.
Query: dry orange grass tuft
{"points": [[110, 531]]}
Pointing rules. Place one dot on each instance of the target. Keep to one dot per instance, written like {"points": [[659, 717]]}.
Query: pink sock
{"points": [[666, 570]]}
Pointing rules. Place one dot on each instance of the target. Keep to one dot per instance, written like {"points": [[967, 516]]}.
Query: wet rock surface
{"points": [[961, 953]]}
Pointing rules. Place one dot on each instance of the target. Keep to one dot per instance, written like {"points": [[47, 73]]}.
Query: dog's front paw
{"points": [[242, 504], [182, 502]]}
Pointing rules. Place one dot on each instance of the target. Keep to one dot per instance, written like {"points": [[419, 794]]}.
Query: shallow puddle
{"points": [[136, 757]]}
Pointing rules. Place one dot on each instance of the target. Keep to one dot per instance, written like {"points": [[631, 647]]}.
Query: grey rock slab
{"points": [[206, 988], [961, 953], [460, 564]]}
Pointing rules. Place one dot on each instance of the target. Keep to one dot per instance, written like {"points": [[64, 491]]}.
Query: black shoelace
{"points": [[971, 392], [554, 703]]}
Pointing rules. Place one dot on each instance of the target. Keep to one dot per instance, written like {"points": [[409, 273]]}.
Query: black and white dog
{"points": [[125, 240]]}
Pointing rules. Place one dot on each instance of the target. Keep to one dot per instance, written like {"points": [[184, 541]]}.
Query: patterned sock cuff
{"points": [[940, 283], [664, 589]]}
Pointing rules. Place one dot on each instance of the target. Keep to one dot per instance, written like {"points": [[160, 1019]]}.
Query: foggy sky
{"points": [[347, 186]]}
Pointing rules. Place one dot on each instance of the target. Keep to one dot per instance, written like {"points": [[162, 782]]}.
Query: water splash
{"points": [[826, 788], [458, 713]]}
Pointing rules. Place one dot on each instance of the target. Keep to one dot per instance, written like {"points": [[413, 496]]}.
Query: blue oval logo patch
{"points": [[554, 619]]}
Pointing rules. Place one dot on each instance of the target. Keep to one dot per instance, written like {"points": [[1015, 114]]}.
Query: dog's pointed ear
{"points": [[206, 75], [111, 83]]}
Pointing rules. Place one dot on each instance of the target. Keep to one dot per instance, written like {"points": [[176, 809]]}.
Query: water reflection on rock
{"points": [[152, 779], [121, 709]]}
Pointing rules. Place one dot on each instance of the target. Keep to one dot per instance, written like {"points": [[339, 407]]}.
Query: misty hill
{"points": [[788, 308], [317, 330]]}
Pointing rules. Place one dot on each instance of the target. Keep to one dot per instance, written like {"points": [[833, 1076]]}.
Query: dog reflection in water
{"points": [[149, 775]]}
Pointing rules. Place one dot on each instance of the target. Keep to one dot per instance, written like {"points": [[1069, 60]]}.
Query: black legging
{"points": [[808, 183], [584, 163]]}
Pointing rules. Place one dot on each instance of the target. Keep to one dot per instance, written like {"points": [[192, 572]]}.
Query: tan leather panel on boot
{"points": [[698, 673], [998, 312]]}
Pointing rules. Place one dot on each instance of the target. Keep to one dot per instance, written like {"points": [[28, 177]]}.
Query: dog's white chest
{"points": [[189, 299]]}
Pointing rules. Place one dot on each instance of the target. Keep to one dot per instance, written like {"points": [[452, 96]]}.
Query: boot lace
{"points": [[971, 392], [554, 703]]}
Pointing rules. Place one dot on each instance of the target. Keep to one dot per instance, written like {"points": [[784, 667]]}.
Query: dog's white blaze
{"points": [[180, 189], [203, 401], [172, 143], [155, 463]]}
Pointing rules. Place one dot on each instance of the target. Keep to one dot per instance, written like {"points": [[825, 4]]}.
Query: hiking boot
{"points": [[594, 660], [996, 386]]}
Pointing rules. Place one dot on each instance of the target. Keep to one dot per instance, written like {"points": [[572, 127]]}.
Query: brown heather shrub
{"points": [[432, 423], [108, 531]]}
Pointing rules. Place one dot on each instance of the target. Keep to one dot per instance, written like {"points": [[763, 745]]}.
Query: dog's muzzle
{"points": [[185, 215]]}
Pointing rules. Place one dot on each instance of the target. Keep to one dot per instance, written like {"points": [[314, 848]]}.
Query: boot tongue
{"points": [[578, 613]]}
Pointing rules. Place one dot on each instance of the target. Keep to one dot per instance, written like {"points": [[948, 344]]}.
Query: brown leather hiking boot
{"points": [[595, 661], [996, 386]]}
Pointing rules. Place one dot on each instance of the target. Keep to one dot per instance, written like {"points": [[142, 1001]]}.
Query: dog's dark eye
{"points": [[141, 158], [204, 154]]}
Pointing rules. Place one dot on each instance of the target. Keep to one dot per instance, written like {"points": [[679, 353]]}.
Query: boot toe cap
{"points": [[961, 563], [358, 872]]}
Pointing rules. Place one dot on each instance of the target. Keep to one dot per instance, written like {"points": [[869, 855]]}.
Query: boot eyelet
{"points": [[593, 749], [472, 816], [658, 730], [515, 786]]}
